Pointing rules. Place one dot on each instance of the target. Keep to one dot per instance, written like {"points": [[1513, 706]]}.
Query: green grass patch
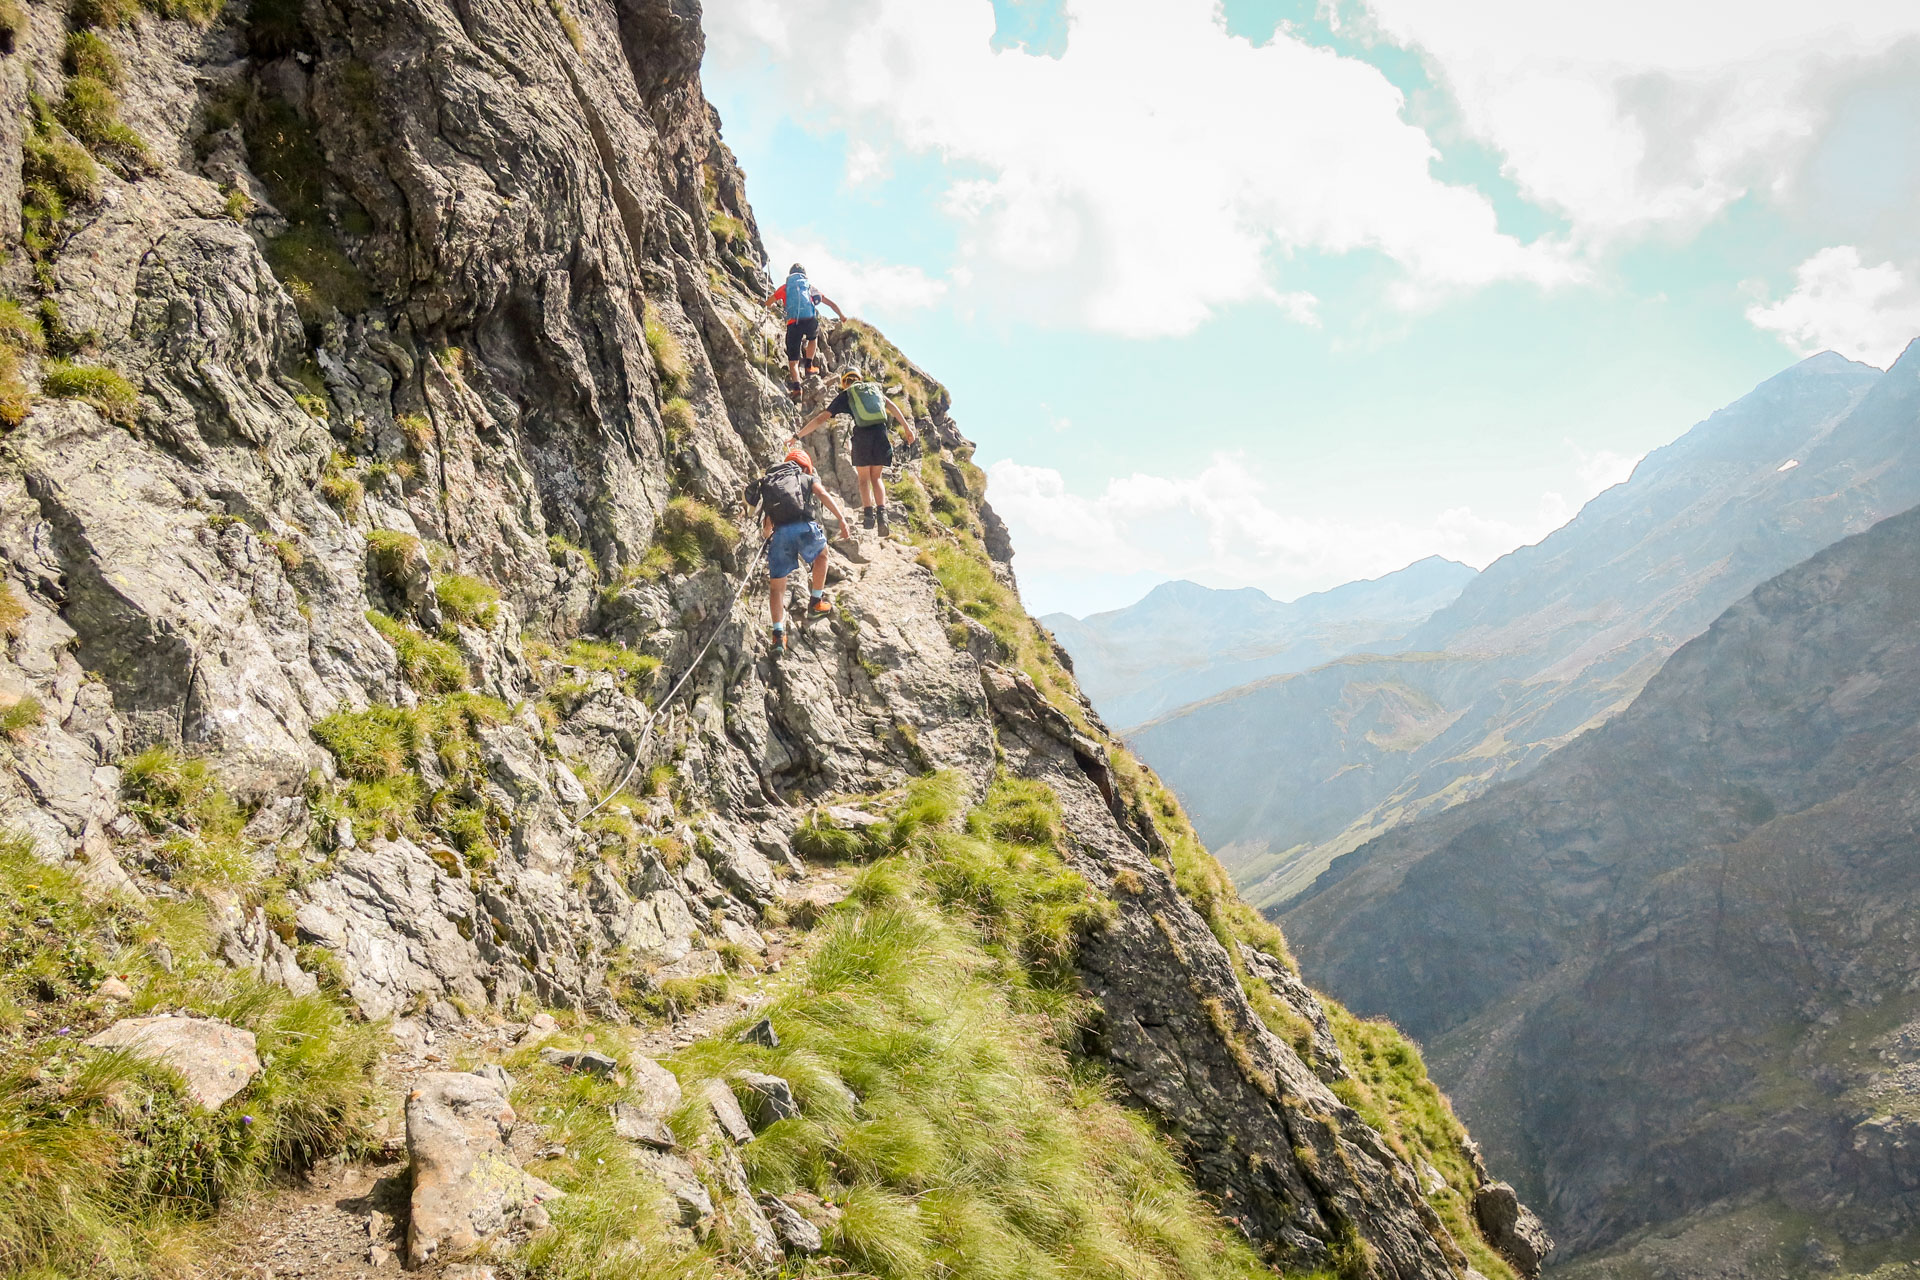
{"points": [[726, 228], [105, 389], [466, 599], [635, 671], [105, 1169], [179, 799], [677, 421], [21, 715], [668, 357], [343, 490], [379, 752], [559, 548], [396, 555], [90, 110], [88, 54], [431, 665]]}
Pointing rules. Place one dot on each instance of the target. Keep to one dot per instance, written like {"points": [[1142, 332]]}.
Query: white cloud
{"points": [[1222, 527], [861, 288], [1155, 171], [1840, 304], [1601, 469], [1645, 114]]}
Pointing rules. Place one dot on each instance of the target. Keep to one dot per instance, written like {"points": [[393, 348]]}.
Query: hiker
{"points": [[799, 300], [785, 496], [868, 406]]}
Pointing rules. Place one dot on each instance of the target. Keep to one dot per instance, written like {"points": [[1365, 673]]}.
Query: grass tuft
{"points": [[430, 665], [668, 357], [466, 599], [103, 388]]}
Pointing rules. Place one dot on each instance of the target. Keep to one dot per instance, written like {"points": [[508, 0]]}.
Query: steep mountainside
{"points": [[396, 763], [1183, 642], [1550, 639], [1676, 964]]}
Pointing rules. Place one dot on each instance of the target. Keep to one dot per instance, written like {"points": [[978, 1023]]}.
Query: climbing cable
{"points": [[646, 726]]}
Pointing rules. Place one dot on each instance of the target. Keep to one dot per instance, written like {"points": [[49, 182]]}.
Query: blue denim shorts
{"points": [[792, 544]]}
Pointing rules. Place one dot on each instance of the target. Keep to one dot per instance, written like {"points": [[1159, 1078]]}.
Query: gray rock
{"points": [[726, 1110], [654, 1089], [769, 1098], [761, 1032], [466, 1185], [497, 1076], [635, 1125], [795, 1233], [1511, 1228], [215, 1059], [753, 1231], [586, 1060], [689, 1194]]}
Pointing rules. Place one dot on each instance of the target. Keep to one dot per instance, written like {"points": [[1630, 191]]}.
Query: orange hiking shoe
{"points": [[819, 608]]}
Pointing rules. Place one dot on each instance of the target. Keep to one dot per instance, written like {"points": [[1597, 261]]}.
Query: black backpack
{"points": [[786, 494]]}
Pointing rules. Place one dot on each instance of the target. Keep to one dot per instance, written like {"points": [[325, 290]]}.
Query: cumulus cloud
{"points": [[1645, 115], [1156, 170], [862, 288], [1838, 303], [1222, 527]]}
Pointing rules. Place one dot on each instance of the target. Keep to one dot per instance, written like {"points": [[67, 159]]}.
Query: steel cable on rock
{"points": [[746, 579], [646, 726]]}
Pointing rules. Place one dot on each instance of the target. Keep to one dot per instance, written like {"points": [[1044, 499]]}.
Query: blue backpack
{"points": [[800, 298]]}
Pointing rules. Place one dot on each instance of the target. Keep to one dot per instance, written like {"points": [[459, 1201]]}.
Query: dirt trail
{"points": [[347, 1220]]}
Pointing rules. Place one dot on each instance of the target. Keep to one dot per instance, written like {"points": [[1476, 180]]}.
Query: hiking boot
{"points": [[779, 640], [866, 517], [880, 520], [793, 389], [819, 608]]}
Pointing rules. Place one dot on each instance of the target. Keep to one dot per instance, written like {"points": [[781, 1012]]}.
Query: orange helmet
{"points": [[796, 454]]}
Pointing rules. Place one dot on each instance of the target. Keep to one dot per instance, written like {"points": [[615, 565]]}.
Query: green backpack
{"points": [[868, 403]]}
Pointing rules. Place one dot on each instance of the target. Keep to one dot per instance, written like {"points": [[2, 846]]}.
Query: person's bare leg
{"points": [[820, 573], [870, 484], [777, 599]]}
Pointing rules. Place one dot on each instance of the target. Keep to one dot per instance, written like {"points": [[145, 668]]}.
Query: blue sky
{"points": [[1283, 294]]}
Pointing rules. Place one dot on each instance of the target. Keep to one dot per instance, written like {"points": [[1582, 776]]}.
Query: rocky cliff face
{"points": [[1550, 639], [381, 383], [1673, 969]]}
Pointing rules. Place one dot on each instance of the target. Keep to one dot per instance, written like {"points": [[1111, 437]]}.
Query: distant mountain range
{"points": [[1672, 976], [1184, 642], [1284, 774]]}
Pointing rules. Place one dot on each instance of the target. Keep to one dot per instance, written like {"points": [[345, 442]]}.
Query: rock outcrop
{"points": [[467, 1186], [1669, 976]]}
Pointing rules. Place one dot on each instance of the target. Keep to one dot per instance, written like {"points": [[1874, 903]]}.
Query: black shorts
{"points": [[872, 447], [799, 333]]}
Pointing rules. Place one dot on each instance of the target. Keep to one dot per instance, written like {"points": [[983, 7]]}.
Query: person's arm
{"points": [[836, 306], [905, 426], [813, 424], [838, 514], [766, 525]]}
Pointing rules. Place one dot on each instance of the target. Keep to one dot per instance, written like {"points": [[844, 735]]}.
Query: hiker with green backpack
{"points": [[867, 404]]}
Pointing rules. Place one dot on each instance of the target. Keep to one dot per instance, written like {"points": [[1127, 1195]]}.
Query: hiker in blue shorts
{"points": [[785, 497], [867, 404], [799, 301]]}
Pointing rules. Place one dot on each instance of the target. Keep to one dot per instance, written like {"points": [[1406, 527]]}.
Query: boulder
{"points": [[683, 1186], [598, 1064], [769, 1098], [466, 1184], [636, 1125], [726, 1110], [761, 1032], [795, 1233], [1511, 1228], [655, 1090], [216, 1060]]}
